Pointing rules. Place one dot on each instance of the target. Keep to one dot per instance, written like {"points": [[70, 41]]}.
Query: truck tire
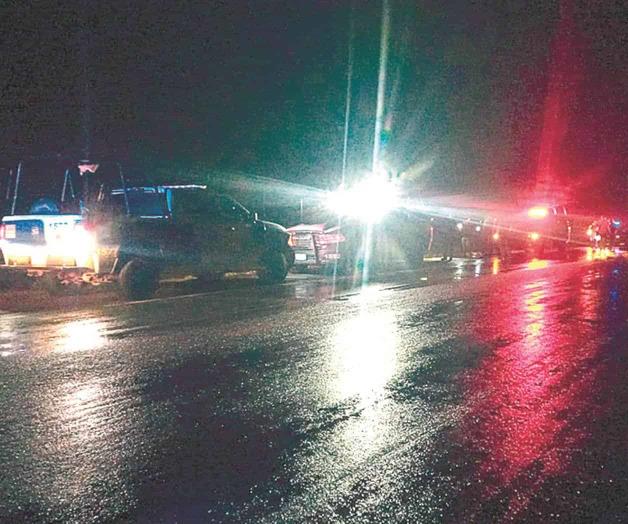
{"points": [[274, 268], [138, 280]]}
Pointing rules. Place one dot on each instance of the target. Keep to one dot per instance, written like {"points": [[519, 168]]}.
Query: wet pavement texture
{"points": [[452, 395]]}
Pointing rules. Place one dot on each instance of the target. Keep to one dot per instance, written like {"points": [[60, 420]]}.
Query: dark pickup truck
{"points": [[187, 230], [137, 235]]}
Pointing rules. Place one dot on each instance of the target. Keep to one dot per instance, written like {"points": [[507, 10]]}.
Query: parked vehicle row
{"points": [[85, 218], [536, 231]]}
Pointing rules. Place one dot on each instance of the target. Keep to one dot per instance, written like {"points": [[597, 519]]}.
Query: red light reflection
{"points": [[495, 265], [516, 425]]}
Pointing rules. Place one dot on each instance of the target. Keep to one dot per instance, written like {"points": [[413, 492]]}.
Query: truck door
{"points": [[241, 235], [206, 228]]}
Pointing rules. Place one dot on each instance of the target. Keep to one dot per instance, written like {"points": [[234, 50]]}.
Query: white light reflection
{"points": [[459, 272], [365, 353], [478, 267], [364, 361], [80, 335], [82, 434], [80, 399], [11, 340]]}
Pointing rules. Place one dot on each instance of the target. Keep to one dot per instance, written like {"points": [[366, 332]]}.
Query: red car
{"points": [[316, 246]]}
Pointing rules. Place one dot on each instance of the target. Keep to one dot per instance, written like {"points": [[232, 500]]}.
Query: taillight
{"points": [[534, 236], [291, 241], [1, 231], [495, 236]]}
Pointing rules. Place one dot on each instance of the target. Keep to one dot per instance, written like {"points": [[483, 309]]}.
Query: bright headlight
{"points": [[74, 239], [74, 242], [369, 200]]}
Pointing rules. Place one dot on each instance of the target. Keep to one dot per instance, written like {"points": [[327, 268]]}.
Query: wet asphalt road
{"points": [[448, 395]]}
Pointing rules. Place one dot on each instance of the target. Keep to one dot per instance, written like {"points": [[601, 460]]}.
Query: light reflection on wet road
{"points": [[476, 395]]}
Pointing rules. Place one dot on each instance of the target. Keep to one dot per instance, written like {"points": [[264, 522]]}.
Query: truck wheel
{"points": [[274, 268], [138, 280]]}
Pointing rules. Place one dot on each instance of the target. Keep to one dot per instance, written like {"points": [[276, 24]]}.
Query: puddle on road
{"points": [[45, 335]]}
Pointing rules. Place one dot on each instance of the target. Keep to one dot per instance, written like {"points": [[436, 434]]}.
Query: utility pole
{"points": [[345, 144], [381, 83]]}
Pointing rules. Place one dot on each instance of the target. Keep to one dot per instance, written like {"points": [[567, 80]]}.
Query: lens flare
{"points": [[369, 200]]}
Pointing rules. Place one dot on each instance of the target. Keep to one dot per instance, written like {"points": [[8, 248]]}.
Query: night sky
{"points": [[258, 87]]}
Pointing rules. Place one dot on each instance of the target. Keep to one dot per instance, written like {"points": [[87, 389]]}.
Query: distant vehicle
{"points": [[473, 236], [317, 246], [540, 230], [91, 223], [398, 241], [608, 232], [619, 233], [494, 238], [599, 232]]}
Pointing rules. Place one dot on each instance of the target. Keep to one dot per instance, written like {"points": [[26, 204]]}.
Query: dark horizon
{"points": [[261, 90]]}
